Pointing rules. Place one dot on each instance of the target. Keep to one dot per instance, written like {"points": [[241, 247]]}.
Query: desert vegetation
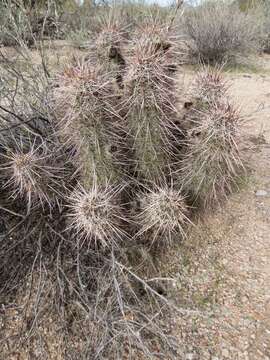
{"points": [[219, 32], [102, 172]]}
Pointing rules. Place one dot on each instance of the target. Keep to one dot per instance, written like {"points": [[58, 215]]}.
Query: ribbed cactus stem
{"points": [[150, 155], [88, 121], [95, 157], [148, 89]]}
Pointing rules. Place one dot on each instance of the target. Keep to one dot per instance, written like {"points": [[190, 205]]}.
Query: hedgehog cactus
{"points": [[211, 163], [149, 97], [135, 167], [84, 102], [97, 214], [32, 173], [163, 214], [106, 47], [210, 86]]}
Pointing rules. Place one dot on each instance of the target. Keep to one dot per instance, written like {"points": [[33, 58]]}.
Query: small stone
{"points": [[190, 356], [261, 193], [225, 353]]}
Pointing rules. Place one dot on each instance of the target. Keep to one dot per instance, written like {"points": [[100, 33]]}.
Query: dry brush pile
{"points": [[89, 198]]}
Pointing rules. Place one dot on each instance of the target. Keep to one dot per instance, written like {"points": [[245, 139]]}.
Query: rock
{"points": [[261, 193], [225, 353]]}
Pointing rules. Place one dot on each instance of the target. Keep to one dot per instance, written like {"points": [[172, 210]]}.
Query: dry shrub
{"points": [[219, 32], [262, 13], [22, 24]]}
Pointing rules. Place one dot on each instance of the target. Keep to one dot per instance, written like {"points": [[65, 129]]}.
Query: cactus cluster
{"points": [[131, 133], [118, 168], [123, 133]]}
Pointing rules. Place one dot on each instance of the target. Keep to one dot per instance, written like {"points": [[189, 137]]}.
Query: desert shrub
{"points": [[14, 25], [22, 24], [260, 11], [263, 15], [219, 32]]}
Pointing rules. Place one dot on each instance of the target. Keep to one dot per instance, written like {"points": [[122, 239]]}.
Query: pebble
{"points": [[261, 193], [225, 353]]}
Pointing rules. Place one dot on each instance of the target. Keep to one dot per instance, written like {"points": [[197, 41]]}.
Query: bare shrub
{"points": [[25, 23], [219, 32]]}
